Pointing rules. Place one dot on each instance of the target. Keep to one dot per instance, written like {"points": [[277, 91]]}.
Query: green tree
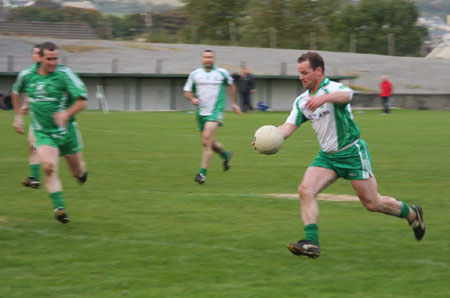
{"points": [[212, 20], [371, 22], [266, 24], [308, 23], [92, 17], [37, 14], [289, 23], [126, 26], [80, 15]]}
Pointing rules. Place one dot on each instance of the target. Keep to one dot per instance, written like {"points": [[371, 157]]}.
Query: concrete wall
{"points": [[130, 92], [159, 94], [405, 101]]}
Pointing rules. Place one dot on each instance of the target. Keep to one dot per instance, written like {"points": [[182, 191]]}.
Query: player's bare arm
{"points": [[18, 121], [340, 97], [61, 118], [189, 95], [25, 107], [287, 129], [234, 105]]}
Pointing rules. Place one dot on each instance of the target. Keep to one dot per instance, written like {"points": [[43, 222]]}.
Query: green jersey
{"points": [[48, 94]]}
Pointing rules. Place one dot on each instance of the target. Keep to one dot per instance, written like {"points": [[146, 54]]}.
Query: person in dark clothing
{"points": [[246, 86], [2, 103], [8, 102]]}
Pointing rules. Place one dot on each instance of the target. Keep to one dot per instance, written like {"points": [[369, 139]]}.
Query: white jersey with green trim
{"points": [[332, 122], [208, 87]]}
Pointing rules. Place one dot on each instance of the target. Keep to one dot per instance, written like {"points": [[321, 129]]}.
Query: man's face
{"points": [[35, 55], [308, 76], [49, 61], [208, 59]]}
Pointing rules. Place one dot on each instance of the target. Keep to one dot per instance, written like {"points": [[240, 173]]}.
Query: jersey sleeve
{"points": [[19, 84], [296, 116], [342, 87], [74, 85], [228, 78], [190, 83]]}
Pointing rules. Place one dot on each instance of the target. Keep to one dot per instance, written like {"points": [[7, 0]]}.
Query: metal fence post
{"points": [[158, 66], [10, 64], [114, 65], [283, 70]]}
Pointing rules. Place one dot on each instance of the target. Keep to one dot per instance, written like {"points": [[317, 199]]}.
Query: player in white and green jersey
{"points": [[343, 153], [206, 88], [55, 94]]}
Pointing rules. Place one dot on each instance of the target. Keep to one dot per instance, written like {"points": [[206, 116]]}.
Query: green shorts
{"points": [[353, 163], [67, 143], [215, 117]]}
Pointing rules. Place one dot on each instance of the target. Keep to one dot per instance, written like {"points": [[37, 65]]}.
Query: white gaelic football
{"points": [[268, 139]]}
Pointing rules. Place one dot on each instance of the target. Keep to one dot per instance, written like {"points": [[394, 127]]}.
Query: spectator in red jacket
{"points": [[386, 89]]}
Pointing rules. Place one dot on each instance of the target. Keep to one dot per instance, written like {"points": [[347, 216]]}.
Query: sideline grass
{"points": [[142, 228]]}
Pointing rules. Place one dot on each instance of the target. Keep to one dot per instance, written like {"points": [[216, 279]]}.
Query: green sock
{"points": [[405, 210], [57, 199], [224, 154], [312, 233], [35, 171], [203, 171]]}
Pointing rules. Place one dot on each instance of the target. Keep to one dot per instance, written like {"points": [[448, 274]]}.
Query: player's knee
{"points": [[371, 206], [48, 168], [304, 192], [206, 143]]}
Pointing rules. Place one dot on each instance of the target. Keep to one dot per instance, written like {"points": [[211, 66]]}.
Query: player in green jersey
{"points": [[33, 159], [55, 94], [205, 88], [343, 154]]}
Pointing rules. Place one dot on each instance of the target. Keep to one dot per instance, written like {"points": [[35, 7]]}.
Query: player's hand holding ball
{"points": [[268, 140]]}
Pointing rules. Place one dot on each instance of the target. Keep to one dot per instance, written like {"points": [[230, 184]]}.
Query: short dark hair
{"points": [[208, 51], [36, 46], [49, 46], [315, 60]]}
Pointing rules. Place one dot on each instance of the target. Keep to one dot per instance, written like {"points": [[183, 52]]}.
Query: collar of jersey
{"points": [[324, 82], [35, 68], [213, 67]]}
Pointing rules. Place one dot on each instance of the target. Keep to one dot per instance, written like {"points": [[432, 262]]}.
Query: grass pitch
{"points": [[141, 227]]}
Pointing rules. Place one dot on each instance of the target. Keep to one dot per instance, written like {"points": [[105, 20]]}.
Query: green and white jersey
{"points": [[209, 88], [333, 123], [48, 94]]}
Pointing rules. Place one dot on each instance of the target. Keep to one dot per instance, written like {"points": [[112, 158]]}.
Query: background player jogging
{"points": [[55, 94], [342, 154], [205, 88], [32, 181]]}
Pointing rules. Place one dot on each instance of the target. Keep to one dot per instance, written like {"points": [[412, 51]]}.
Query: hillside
{"points": [[429, 8]]}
